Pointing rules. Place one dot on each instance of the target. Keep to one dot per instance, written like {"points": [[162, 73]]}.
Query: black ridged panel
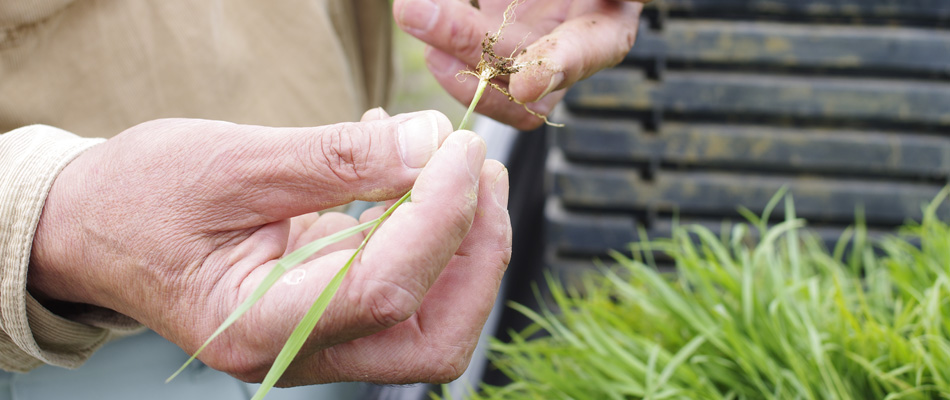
{"points": [[910, 52], [734, 95], [711, 193], [909, 10], [721, 104], [756, 147]]}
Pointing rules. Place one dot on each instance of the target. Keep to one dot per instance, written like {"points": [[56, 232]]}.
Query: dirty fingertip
{"points": [[537, 78]]}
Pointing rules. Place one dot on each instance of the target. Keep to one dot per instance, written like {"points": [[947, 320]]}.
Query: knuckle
{"points": [[255, 375], [461, 217], [447, 363], [339, 150], [463, 224], [431, 364], [388, 303], [237, 364], [448, 370], [435, 363], [466, 41]]}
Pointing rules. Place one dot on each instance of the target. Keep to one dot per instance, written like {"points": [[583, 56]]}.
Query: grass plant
{"points": [[780, 318]]}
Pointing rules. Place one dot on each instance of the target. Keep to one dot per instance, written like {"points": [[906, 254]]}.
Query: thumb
{"points": [[286, 172]]}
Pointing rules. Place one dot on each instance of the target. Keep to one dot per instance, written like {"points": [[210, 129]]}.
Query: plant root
{"points": [[493, 65]]}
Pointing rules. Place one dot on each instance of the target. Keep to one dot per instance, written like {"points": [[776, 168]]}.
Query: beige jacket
{"points": [[93, 68]]}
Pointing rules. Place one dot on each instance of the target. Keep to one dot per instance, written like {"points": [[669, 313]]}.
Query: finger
{"points": [[322, 226], [410, 250], [374, 114], [437, 343], [372, 214], [299, 225], [475, 273], [285, 172], [457, 28], [494, 104], [577, 49], [458, 304]]}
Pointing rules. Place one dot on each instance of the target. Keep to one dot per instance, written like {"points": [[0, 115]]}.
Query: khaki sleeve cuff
{"points": [[30, 335]]}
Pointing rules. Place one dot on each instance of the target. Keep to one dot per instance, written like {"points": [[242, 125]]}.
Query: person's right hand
{"points": [[564, 41], [175, 222]]}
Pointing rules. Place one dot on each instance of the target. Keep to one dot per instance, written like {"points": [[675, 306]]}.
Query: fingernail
{"points": [[374, 114], [544, 106], [418, 139], [380, 113], [500, 188], [556, 81], [475, 152], [419, 16]]}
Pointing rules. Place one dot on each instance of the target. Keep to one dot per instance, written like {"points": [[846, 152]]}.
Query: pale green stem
{"points": [[482, 84]]}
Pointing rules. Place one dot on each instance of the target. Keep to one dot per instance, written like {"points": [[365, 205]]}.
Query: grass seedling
{"points": [[493, 65], [490, 67], [780, 317]]}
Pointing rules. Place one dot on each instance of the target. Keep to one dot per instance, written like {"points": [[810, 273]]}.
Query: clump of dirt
{"points": [[493, 65]]}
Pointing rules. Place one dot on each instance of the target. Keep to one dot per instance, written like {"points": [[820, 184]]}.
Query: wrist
{"points": [[56, 250]]}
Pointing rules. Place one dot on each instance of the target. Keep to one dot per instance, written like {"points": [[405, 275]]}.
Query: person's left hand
{"points": [[572, 39], [175, 222]]}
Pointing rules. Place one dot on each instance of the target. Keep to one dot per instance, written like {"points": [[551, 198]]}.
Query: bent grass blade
{"points": [[286, 263], [303, 330]]}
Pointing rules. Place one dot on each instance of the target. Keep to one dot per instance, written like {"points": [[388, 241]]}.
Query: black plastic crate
{"points": [[722, 103]]}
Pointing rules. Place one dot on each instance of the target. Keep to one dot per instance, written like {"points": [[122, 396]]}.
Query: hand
{"points": [[175, 222], [567, 40]]}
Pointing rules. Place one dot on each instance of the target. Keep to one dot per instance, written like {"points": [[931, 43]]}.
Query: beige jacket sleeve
{"points": [[31, 335]]}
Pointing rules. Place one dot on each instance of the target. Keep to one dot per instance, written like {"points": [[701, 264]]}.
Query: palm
{"points": [[239, 269]]}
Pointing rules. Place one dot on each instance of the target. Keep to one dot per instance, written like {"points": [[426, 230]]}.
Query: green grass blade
{"points": [[650, 378], [303, 330], [286, 263], [792, 244], [681, 356], [770, 206]]}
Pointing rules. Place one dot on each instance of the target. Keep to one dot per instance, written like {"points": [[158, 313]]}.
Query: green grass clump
{"points": [[783, 318]]}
